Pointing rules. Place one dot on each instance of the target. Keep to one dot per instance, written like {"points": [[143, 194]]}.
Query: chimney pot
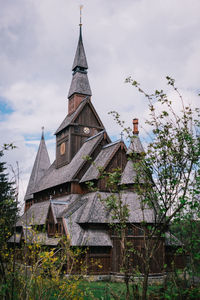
{"points": [[135, 126]]}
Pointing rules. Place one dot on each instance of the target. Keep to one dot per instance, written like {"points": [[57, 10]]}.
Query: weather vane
{"points": [[42, 131], [81, 7]]}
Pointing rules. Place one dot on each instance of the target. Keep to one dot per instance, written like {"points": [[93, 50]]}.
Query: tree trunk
{"points": [[145, 280], [126, 280]]}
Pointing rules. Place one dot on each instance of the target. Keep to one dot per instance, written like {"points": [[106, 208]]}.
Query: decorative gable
{"points": [[88, 117]]}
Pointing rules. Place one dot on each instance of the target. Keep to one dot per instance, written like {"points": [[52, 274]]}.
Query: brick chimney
{"points": [[135, 126]]}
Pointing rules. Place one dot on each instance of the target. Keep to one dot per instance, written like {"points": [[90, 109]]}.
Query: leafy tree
{"points": [[169, 168]]}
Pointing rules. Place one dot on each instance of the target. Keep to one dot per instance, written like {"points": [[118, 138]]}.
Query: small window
{"points": [[130, 231]]}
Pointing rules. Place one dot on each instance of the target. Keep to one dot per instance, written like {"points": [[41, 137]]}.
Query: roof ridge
{"points": [[111, 144], [93, 136], [72, 207]]}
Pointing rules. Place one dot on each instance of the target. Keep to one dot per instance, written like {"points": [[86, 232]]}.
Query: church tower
{"points": [[80, 87], [82, 121]]}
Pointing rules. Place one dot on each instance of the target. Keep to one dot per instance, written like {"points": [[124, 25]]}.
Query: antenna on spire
{"points": [[42, 132], [81, 7]]}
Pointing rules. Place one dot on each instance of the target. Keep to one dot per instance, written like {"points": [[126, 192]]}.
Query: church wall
{"points": [[137, 243], [62, 148], [88, 118]]}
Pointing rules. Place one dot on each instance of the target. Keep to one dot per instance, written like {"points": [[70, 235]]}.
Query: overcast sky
{"points": [[145, 39]]}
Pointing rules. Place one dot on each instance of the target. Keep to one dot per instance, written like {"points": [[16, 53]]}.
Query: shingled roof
{"points": [[130, 173], [41, 164], [135, 145], [101, 161], [69, 118], [80, 57], [59, 205], [90, 209], [35, 215], [80, 85], [80, 236], [96, 212], [31, 237], [67, 173]]}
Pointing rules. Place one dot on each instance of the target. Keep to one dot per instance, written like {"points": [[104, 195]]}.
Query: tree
{"points": [[169, 168], [8, 215]]}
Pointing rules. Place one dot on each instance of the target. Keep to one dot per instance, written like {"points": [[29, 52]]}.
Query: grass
{"points": [[103, 290]]}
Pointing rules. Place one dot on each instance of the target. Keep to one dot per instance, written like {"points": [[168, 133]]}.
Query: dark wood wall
{"points": [[118, 161]]}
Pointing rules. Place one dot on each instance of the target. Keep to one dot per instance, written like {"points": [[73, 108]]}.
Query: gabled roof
{"points": [[80, 57], [80, 84], [69, 119], [101, 161], [89, 209], [60, 204], [80, 236], [67, 173], [41, 164], [35, 215]]}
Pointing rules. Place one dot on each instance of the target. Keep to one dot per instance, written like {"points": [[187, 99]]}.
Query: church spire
{"points": [[80, 61], [80, 83], [41, 164]]}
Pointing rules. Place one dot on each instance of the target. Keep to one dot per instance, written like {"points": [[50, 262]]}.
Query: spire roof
{"points": [[41, 164], [80, 83], [80, 57], [135, 145]]}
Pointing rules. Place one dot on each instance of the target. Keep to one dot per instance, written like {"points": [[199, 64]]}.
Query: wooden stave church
{"points": [[58, 201]]}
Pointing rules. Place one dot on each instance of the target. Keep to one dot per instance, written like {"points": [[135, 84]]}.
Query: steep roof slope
{"points": [[35, 215], [67, 173], [41, 164], [130, 173], [101, 161]]}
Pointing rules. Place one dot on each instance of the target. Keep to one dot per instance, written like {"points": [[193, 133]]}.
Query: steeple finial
{"points": [[42, 132], [81, 7]]}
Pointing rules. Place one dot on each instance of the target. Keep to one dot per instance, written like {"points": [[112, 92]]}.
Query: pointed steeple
{"points": [[80, 60], [80, 83], [41, 164]]}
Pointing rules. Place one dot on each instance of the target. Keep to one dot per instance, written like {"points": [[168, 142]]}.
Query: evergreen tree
{"points": [[8, 204]]}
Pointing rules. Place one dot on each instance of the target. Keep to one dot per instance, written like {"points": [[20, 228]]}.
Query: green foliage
{"points": [[8, 203]]}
